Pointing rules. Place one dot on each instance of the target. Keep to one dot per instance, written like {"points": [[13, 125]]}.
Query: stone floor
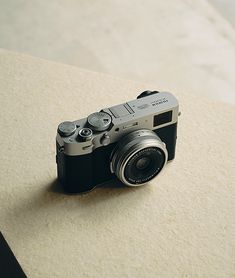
{"points": [[150, 40]]}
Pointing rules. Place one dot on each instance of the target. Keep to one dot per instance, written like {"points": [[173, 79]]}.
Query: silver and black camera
{"points": [[131, 142]]}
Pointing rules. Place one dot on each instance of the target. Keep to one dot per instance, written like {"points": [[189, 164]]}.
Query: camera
{"points": [[131, 142]]}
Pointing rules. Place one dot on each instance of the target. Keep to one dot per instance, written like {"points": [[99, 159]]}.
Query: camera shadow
{"points": [[56, 187], [35, 210], [101, 192]]}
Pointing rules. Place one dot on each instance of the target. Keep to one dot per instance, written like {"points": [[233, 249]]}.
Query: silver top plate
{"points": [[124, 118]]}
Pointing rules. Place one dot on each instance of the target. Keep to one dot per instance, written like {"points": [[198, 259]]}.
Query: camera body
{"points": [[131, 141]]}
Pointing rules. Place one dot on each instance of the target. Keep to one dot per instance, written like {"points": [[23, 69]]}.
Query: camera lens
{"points": [[144, 165], [138, 157]]}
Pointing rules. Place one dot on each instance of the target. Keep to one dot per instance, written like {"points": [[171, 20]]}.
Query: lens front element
{"points": [[139, 157], [144, 165]]}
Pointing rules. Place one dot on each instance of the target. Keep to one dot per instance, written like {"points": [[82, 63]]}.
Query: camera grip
{"points": [[75, 172]]}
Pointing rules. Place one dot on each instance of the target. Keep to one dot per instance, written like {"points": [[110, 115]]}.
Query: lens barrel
{"points": [[138, 157]]}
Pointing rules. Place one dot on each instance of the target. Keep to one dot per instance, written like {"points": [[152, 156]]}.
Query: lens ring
{"points": [[129, 146], [136, 175]]}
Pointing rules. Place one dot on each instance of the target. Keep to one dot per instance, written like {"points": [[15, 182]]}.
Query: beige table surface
{"points": [[180, 225]]}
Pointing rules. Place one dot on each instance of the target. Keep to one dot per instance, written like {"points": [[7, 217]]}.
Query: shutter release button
{"points": [[85, 134]]}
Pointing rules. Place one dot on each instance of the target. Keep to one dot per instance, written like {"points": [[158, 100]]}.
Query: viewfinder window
{"points": [[162, 118]]}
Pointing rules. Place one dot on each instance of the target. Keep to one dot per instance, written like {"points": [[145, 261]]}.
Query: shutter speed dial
{"points": [[99, 121]]}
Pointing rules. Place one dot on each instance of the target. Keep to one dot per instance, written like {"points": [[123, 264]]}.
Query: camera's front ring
{"points": [[139, 157]]}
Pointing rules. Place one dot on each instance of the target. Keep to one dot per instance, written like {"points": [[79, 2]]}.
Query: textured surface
{"points": [[225, 8], [182, 42], [180, 225]]}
